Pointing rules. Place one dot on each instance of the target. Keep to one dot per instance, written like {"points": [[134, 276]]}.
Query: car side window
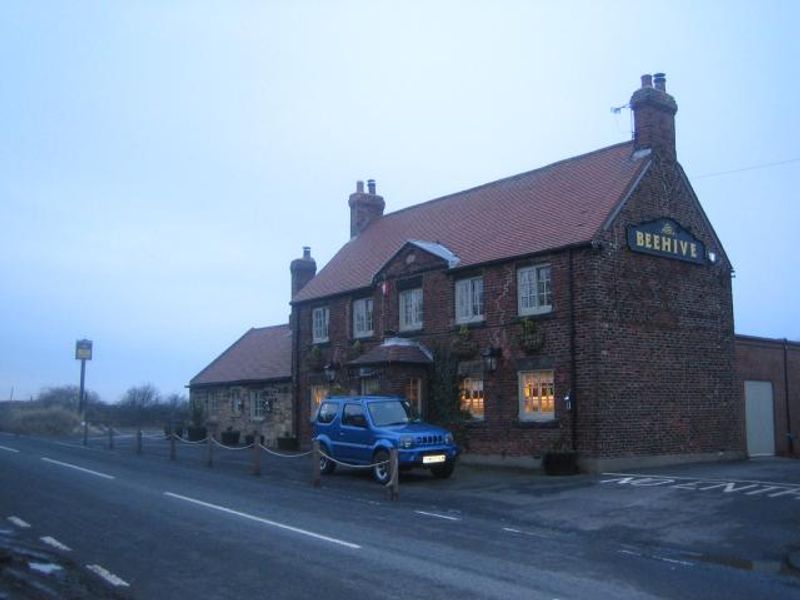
{"points": [[354, 415], [327, 412]]}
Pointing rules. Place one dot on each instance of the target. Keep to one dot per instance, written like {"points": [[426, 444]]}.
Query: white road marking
{"points": [[7, 449], [673, 561], [51, 541], [229, 511], [512, 530], [77, 468], [108, 576], [19, 522], [703, 479], [436, 515]]}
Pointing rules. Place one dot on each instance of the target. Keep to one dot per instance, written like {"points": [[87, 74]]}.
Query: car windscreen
{"points": [[390, 413]]}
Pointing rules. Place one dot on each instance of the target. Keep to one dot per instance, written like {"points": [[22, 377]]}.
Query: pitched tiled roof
{"points": [[559, 205], [395, 350], [260, 354]]}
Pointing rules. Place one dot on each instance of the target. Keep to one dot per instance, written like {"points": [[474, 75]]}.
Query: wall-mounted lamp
{"points": [[330, 371], [491, 357]]}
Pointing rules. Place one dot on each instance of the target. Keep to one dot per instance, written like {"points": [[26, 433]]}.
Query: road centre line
{"points": [[7, 449], [51, 541], [108, 576], [438, 516], [705, 479], [19, 522], [77, 468], [283, 526]]}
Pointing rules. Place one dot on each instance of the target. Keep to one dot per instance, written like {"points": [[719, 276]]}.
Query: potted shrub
{"points": [[462, 345], [530, 338], [248, 439], [230, 437], [287, 442]]}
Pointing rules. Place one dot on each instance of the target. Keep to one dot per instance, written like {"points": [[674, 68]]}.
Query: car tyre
{"points": [[326, 465], [444, 470], [382, 471]]}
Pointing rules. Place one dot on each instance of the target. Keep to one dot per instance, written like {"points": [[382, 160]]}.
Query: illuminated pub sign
{"points": [[664, 237]]}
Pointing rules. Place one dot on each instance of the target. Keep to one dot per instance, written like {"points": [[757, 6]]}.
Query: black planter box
{"points": [[195, 434], [230, 438], [560, 463], [287, 443], [248, 439]]}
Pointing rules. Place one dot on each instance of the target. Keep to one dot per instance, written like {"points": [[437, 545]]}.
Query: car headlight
{"points": [[406, 441], [448, 439]]}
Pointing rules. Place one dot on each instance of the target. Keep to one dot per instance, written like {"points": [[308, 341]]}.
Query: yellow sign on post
{"points": [[83, 350]]}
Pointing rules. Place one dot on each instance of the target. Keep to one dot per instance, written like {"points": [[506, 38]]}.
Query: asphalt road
{"points": [[143, 526]]}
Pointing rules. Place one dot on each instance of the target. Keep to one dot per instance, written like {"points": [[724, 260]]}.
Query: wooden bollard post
{"points": [[172, 446], [138, 441], [394, 480], [256, 453], [210, 452], [110, 437], [315, 474]]}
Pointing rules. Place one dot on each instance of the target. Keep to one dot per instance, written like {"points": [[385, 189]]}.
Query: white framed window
{"points": [[536, 396], [320, 318], [370, 386], [534, 293], [259, 405], [237, 404], [469, 300], [411, 309], [212, 404], [362, 318], [470, 394]]}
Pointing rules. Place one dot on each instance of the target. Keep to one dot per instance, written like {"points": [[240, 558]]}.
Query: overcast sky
{"points": [[161, 163]]}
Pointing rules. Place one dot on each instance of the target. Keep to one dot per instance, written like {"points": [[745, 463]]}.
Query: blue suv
{"points": [[360, 430]]}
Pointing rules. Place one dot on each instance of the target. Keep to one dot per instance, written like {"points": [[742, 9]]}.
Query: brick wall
{"points": [[776, 361]]}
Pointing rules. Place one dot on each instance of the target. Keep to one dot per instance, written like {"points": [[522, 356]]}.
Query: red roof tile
{"points": [[558, 205], [260, 354]]}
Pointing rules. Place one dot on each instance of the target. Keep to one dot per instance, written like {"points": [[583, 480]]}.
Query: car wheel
{"points": [[444, 471], [382, 471], [326, 465]]}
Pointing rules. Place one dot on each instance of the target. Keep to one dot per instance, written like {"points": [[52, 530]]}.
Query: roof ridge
{"points": [[506, 179]]}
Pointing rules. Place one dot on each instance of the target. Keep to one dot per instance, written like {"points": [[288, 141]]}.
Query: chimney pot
{"points": [[660, 81], [359, 187], [647, 81], [371, 185], [306, 251]]}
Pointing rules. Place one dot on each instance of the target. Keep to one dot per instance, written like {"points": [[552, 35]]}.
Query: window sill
{"points": [[536, 315], [543, 424], [469, 324]]}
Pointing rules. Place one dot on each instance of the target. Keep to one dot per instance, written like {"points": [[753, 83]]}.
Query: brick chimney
{"points": [[654, 117], [365, 207], [302, 270]]}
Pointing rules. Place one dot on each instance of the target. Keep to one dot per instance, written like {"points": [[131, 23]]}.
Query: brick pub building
{"points": [[584, 305]]}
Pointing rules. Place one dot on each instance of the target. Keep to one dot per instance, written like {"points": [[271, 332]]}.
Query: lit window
{"points": [[320, 318], [318, 394], [470, 393], [534, 290], [362, 318], [411, 309], [536, 397], [469, 300], [414, 394]]}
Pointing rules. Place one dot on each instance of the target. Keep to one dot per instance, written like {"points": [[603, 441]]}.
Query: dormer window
{"points": [[362, 318], [411, 309], [320, 318]]}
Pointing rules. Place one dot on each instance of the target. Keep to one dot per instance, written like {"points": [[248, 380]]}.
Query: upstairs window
{"points": [[320, 318], [534, 290], [362, 318], [411, 309], [469, 300]]}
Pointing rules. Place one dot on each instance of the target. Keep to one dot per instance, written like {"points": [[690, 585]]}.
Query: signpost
{"points": [[83, 352]]}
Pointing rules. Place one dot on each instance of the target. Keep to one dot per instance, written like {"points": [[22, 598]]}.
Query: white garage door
{"points": [[760, 418]]}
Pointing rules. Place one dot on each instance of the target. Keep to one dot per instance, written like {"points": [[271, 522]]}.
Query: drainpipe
{"points": [[573, 373], [789, 435]]}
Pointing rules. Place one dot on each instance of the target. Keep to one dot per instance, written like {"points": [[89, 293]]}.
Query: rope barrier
{"points": [[268, 451], [231, 447], [183, 441], [344, 464]]}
